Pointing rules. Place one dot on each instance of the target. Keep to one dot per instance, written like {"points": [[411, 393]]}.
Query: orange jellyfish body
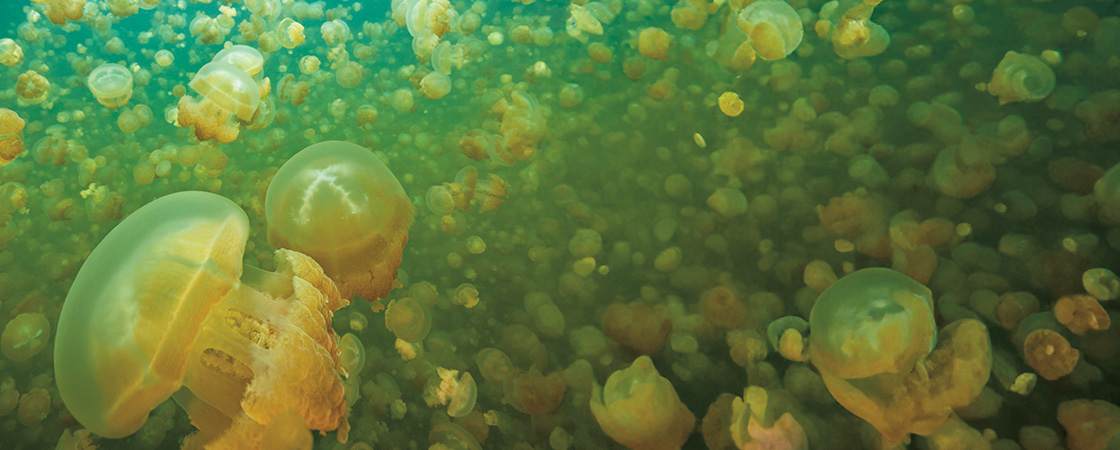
{"points": [[163, 308], [338, 203]]}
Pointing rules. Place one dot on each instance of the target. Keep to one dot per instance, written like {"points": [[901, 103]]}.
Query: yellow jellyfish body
{"points": [[1021, 78], [338, 203], [164, 308], [458, 393], [773, 26], [244, 57], [25, 336], [872, 321], [227, 86], [10, 52], [11, 136], [349, 75], [408, 319], [435, 85], [335, 32], [640, 409], [290, 32], [32, 88], [111, 84]]}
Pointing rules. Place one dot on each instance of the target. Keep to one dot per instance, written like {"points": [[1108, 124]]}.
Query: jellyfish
{"points": [[458, 393], [163, 308], [1021, 78], [640, 409], [229, 94], [361, 244], [244, 57], [25, 336], [349, 75], [10, 52], [435, 85], [879, 353], [290, 33], [32, 88], [11, 136], [111, 84], [773, 28], [408, 319]]}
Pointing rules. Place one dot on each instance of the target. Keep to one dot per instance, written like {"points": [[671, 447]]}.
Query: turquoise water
{"points": [[641, 214]]}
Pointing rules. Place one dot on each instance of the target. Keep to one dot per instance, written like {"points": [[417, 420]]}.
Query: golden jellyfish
{"points": [[11, 136], [228, 94], [10, 52], [25, 336], [59, 11], [349, 75], [653, 43], [439, 201], [353, 356], [290, 33], [534, 393], [164, 308], [640, 409], [730, 104], [32, 88], [287, 431], [435, 85], [1081, 314], [773, 28], [494, 364], [459, 393], [1021, 78], [408, 319], [1050, 354], [402, 101], [164, 58], [335, 32], [309, 64], [34, 407], [111, 84], [639, 326], [361, 246], [244, 57]]}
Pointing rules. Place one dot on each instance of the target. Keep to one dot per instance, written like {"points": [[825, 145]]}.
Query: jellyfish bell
{"points": [[111, 84], [163, 308], [773, 26], [227, 86], [361, 245], [244, 57]]}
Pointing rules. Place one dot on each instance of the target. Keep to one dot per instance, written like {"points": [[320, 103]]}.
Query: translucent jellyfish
{"points": [[435, 85], [290, 32], [639, 326], [111, 84], [408, 319], [849, 25], [1021, 78], [163, 308], [459, 393], [309, 64], [25, 336], [10, 52], [872, 321], [1101, 115], [640, 409], [730, 104], [353, 356], [244, 57], [1081, 314], [439, 201], [749, 413], [493, 364], [59, 11], [1090, 424], [773, 28], [11, 136], [335, 32], [534, 393], [402, 101], [349, 74], [228, 94], [164, 58], [32, 88], [361, 246]]}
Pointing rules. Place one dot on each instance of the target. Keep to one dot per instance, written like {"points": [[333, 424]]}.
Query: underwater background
{"points": [[633, 223]]}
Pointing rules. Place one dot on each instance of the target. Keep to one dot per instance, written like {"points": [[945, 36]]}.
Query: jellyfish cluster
{"points": [[563, 224]]}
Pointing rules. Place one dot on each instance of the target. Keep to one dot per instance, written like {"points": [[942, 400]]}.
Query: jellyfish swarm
{"points": [[875, 343], [338, 203], [111, 84], [164, 308], [229, 95]]}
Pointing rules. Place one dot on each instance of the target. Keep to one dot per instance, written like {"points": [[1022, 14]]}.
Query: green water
{"points": [[712, 226]]}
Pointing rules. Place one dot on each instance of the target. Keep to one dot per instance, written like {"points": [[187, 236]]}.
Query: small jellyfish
{"points": [[408, 319], [308, 65], [1021, 78], [335, 32], [32, 88], [534, 393], [459, 394], [353, 357], [163, 307], [10, 52], [403, 101], [25, 336], [228, 94], [349, 74], [439, 201], [640, 409], [164, 58], [11, 136], [493, 364], [730, 104], [361, 246], [290, 33], [773, 28], [435, 85], [653, 43]]}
